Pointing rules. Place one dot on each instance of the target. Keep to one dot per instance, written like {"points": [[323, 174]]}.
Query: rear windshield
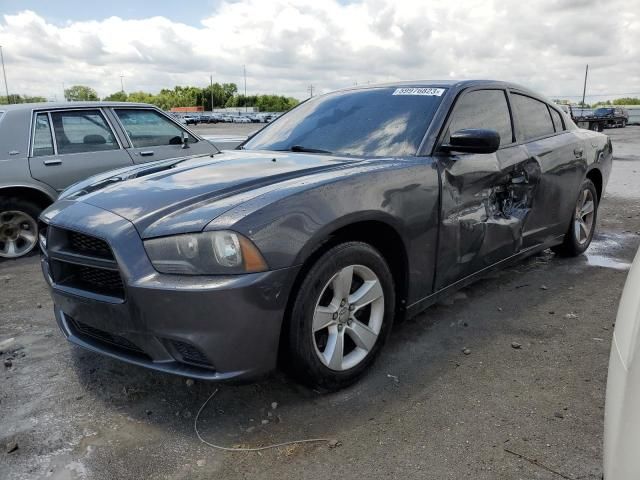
{"points": [[369, 122]]}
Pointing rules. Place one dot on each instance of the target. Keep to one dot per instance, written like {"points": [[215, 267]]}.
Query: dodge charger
{"points": [[301, 248]]}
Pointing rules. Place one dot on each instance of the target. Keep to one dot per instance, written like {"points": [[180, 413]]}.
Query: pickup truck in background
{"points": [[613, 116], [601, 118]]}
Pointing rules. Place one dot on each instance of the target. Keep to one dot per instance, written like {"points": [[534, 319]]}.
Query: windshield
{"points": [[603, 111], [368, 122]]}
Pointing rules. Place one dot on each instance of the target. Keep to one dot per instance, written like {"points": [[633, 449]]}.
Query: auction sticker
{"points": [[419, 91]]}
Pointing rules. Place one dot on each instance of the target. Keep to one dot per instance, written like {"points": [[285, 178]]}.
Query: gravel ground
{"points": [[426, 410]]}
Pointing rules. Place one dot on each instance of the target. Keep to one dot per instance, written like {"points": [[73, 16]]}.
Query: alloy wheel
{"points": [[18, 233], [584, 216], [348, 317]]}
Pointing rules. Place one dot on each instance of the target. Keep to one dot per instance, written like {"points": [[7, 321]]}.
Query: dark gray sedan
{"points": [[301, 248]]}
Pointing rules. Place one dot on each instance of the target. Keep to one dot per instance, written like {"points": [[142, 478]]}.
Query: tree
{"points": [[626, 101], [80, 93], [116, 97], [15, 98]]}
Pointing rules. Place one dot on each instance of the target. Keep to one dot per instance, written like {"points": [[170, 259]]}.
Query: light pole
{"points": [[121, 83], [211, 90], [584, 89], [4, 73], [244, 68]]}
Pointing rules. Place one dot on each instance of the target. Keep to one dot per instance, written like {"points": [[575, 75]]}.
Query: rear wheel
{"points": [[583, 222], [341, 316], [18, 227]]}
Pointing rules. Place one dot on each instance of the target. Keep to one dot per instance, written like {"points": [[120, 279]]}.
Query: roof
{"points": [[440, 83], [456, 85], [55, 105]]}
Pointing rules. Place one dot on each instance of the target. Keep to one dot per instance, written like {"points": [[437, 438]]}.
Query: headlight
{"points": [[207, 253]]}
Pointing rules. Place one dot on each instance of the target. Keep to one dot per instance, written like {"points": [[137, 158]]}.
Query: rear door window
{"points": [[148, 128], [486, 109], [533, 117], [42, 140], [557, 120], [81, 131]]}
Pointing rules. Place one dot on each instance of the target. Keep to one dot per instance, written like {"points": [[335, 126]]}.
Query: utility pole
{"points": [[244, 68], [121, 83], [64, 95], [211, 90], [4, 73], [310, 90], [584, 89]]}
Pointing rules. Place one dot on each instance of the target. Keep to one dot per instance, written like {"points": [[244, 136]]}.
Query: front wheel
{"points": [[341, 316], [583, 222], [18, 227]]}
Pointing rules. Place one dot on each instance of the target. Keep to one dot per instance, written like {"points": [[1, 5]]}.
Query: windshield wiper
{"points": [[300, 148]]}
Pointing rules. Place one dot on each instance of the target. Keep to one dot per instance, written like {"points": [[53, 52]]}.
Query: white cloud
{"points": [[289, 44]]}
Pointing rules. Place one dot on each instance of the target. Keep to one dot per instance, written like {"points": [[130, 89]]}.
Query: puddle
{"points": [[606, 262], [605, 251]]}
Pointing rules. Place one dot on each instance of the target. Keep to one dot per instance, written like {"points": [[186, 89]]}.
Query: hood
{"points": [[184, 195]]}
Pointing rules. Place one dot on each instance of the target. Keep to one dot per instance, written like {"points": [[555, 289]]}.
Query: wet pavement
{"points": [[426, 410]]}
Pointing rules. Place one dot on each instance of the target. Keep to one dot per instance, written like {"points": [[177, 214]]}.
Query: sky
{"points": [[289, 45]]}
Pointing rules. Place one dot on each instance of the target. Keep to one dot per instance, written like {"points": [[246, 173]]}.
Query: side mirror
{"points": [[473, 140], [185, 140]]}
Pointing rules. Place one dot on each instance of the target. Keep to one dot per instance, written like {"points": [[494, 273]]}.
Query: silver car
{"points": [[46, 147]]}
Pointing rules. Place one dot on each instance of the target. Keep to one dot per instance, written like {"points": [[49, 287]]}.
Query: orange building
{"points": [[187, 109]]}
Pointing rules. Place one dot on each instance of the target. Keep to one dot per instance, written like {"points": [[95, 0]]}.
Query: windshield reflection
{"points": [[364, 122]]}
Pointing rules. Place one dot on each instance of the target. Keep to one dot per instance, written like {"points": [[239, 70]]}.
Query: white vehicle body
{"points": [[622, 409]]}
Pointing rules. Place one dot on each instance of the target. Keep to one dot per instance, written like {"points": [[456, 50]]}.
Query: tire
{"points": [[18, 227], [624, 123], [310, 358], [580, 233]]}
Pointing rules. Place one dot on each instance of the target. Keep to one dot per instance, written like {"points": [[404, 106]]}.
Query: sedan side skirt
{"points": [[418, 307]]}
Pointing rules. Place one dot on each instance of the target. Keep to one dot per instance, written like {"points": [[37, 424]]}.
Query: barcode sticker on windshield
{"points": [[419, 91]]}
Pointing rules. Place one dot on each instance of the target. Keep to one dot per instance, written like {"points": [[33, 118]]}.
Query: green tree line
{"points": [[16, 98], [607, 103], [210, 97]]}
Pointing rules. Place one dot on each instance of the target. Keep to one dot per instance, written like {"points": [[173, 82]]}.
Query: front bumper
{"points": [[206, 327]]}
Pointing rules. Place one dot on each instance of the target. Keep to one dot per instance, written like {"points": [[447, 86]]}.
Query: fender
{"points": [[50, 193]]}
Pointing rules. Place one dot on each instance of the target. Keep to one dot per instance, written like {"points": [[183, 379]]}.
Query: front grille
{"points": [[191, 354], [83, 262], [99, 279], [83, 330], [88, 278], [86, 244]]}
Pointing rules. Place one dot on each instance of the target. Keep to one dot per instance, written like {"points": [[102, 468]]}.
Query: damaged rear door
{"points": [[561, 156], [486, 198]]}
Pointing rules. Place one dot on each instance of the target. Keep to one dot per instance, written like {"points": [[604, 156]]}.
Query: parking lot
{"points": [[525, 400]]}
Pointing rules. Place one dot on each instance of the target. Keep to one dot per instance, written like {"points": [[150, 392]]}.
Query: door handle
{"points": [[578, 152], [53, 162], [146, 153]]}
